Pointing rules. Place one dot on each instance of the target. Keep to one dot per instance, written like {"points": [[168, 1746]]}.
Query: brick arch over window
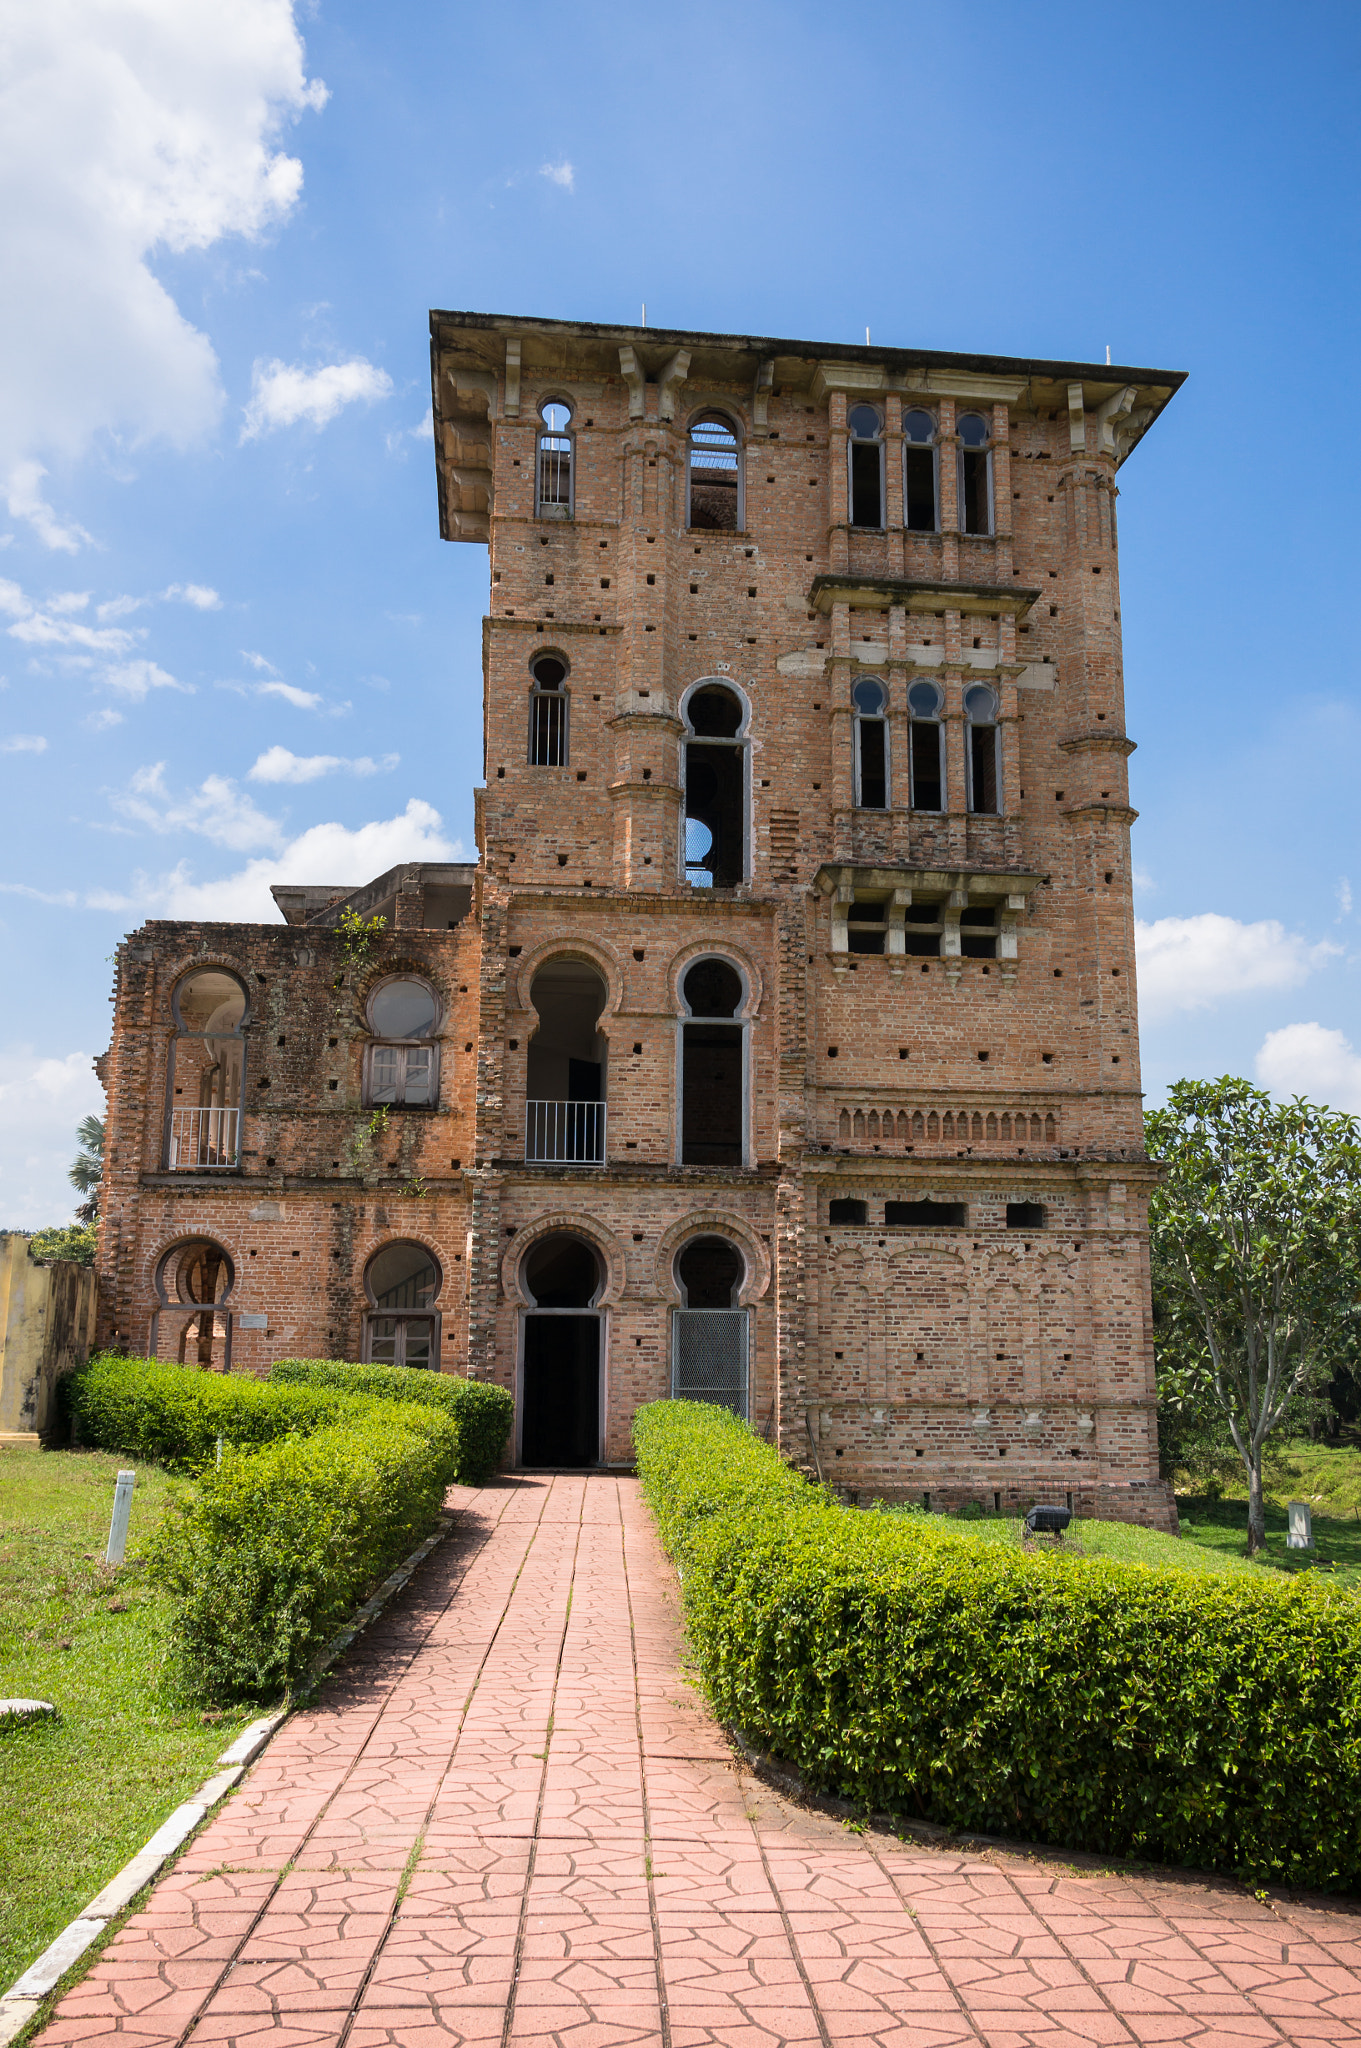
{"points": [[566, 1222], [444, 1260], [593, 950], [713, 1223], [177, 972], [163, 1261], [736, 957]]}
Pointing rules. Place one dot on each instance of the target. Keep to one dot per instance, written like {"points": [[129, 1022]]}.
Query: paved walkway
{"points": [[509, 1820]]}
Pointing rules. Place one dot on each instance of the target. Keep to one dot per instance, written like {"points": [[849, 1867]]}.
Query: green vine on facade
{"points": [[357, 936]]}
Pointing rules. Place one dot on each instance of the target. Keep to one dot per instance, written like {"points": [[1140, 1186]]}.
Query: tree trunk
{"points": [[1256, 1504]]}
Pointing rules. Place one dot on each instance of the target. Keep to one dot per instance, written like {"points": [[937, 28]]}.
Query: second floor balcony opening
{"points": [[207, 1055], [565, 1068]]}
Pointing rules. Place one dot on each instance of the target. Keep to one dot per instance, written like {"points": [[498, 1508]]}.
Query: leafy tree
{"points": [[1256, 1258], [87, 1168], [64, 1241]]}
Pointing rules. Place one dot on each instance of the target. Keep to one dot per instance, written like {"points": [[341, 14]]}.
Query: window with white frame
{"points": [[403, 1059], [402, 1282], [985, 740], [974, 471], [548, 712], [870, 701], [553, 469], [919, 472], [709, 1329], [865, 456], [926, 747]]}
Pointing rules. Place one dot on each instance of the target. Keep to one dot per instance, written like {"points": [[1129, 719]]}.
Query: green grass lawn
{"points": [[78, 1798]]}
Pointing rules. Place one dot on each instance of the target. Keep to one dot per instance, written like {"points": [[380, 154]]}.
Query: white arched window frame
{"points": [[865, 466], [715, 479], [554, 461], [921, 472], [401, 1059], [873, 784], [925, 746], [692, 852], [984, 757], [403, 1281], [740, 1021], [973, 469], [549, 736], [206, 1072], [710, 1344]]}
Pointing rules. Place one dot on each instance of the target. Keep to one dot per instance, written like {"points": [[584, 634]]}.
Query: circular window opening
{"points": [[918, 426], [710, 1272], [924, 700], [403, 1009], [863, 422], [869, 697], [712, 988], [556, 415], [210, 1001], [403, 1275], [549, 671], [714, 713], [199, 1272], [562, 1272]]}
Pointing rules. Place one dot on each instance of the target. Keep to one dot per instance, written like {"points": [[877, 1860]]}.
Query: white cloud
{"points": [[199, 595], [129, 129], [276, 764], [54, 624], [1344, 897], [258, 663], [284, 393], [104, 719], [1309, 1059], [559, 174], [301, 700], [1192, 963], [25, 501], [421, 432], [118, 608], [24, 743], [42, 1099], [216, 809], [135, 678]]}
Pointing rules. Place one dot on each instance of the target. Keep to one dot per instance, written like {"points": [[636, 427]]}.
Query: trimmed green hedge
{"points": [[174, 1414], [1182, 1717], [482, 1412], [276, 1546]]}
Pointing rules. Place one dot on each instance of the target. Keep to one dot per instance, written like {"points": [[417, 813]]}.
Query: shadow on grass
{"points": [[1223, 1525]]}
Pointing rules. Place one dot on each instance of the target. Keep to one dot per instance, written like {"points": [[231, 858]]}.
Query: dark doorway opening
{"points": [[560, 1385], [711, 1067]]}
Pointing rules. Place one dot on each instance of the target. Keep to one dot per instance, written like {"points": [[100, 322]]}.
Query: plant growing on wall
{"points": [[357, 937], [1256, 1264], [366, 1137]]}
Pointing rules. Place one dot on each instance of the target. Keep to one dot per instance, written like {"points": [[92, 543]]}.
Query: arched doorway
{"points": [[709, 1330], [193, 1273], [560, 1375]]}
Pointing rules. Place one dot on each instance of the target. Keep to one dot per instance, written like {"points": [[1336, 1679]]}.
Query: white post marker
{"points": [[1300, 1535], [122, 1514]]}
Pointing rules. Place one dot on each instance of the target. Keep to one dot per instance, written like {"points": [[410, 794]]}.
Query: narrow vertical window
{"points": [[926, 746], [715, 770], [715, 475], [548, 713], [865, 451], [919, 472], [980, 708], [871, 745], [713, 1062], [554, 478], [975, 474]]}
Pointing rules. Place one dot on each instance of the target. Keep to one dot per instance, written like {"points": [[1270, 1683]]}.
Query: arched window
{"points": [[203, 1128], [402, 1282], [553, 476], [713, 1066], [709, 1330], [196, 1277], [548, 712], [715, 778], [975, 473], [870, 700], [565, 1065], [980, 708], [403, 1059], [559, 1406], [865, 454], [715, 475], [919, 472], [926, 736]]}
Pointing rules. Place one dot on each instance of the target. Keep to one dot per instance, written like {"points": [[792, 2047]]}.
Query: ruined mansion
{"points": [[780, 1048]]}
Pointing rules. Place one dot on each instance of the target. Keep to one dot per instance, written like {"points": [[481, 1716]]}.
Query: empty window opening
{"points": [[847, 1210], [715, 770], [712, 1067], [715, 480], [560, 1388], [926, 755], [710, 1272], [402, 1282], [978, 936], [548, 712], [919, 472], [935, 1215], [207, 1070], [1025, 1215], [196, 1277], [554, 474], [923, 926], [975, 474], [867, 925], [565, 1066], [985, 739], [866, 452], [870, 700], [403, 1061]]}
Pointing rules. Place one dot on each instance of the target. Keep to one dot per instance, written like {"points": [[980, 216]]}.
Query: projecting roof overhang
{"points": [[877, 593]]}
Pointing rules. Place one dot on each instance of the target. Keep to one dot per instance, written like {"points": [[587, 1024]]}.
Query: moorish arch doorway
{"points": [[560, 1393]]}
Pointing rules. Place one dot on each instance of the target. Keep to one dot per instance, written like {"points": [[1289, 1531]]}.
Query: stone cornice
{"points": [[875, 593]]}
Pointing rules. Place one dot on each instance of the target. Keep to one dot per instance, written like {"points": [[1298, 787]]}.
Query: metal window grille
{"points": [[709, 1357], [202, 1140], [555, 476], [547, 729]]}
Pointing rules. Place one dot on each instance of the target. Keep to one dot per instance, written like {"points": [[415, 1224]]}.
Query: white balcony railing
{"points": [[204, 1139], [565, 1133]]}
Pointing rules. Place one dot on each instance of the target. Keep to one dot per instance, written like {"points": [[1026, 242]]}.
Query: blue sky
{"points": [[233, 647]]}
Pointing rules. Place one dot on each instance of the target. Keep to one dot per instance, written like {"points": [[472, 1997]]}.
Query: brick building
{"points": [[781, 1046]]}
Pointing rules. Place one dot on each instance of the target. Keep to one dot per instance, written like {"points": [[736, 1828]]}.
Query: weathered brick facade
{"points": [[936, 998]]}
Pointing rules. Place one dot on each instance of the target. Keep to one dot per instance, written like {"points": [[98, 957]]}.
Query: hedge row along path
{"points": [[508, 1819]]}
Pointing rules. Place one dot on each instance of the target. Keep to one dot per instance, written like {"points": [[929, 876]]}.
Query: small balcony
{"points": [[565, 1133], [204, 1140]]}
